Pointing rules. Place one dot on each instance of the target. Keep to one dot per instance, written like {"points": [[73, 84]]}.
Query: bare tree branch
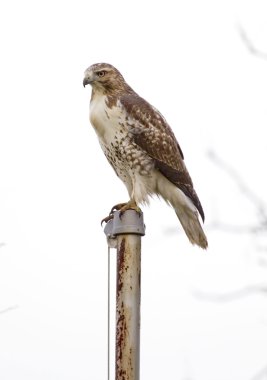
{"points": [[249, 44], [235, 229], [232, 296], [10, 308], [244, 188], [259, 204], [261, 375]]}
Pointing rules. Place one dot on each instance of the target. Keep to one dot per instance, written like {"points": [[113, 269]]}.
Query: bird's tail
{"points": [[191, 225], [185, 209]]}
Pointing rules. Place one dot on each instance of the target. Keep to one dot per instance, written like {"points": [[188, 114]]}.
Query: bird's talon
{"points": [[117, 207], [107, 218], [120, 214]]}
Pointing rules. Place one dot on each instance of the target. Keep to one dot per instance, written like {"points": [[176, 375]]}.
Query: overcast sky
{"points": [[187, 59]]}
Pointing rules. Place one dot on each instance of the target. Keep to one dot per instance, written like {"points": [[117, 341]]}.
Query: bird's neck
{"points": [[111, 94]]}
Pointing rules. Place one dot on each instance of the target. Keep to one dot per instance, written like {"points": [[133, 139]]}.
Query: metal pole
{"points": [[126, 231], [128, 307]]}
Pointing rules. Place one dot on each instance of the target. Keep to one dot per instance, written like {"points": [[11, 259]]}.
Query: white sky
{"points": [[188, 60]]}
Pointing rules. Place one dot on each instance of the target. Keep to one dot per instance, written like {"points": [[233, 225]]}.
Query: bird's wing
{"points": [[152, 133]]}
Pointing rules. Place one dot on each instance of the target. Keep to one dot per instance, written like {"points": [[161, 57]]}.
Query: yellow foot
{"points": [[131, 205], [122, 207], [111, 214], [117, 207]]}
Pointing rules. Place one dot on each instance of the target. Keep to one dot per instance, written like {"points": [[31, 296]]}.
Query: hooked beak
{"points": [[86, 81]]}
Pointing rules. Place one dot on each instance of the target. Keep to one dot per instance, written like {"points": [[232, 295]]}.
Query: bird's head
{"points": [[105, 77]]}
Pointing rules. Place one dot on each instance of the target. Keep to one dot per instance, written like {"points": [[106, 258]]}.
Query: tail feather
{"points": [[192, 227], [185, 208]]}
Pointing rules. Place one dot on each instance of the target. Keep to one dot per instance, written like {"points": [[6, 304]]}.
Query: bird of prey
{"points": [[142, 149]]}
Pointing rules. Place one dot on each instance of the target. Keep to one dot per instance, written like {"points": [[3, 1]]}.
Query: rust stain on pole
{"points": [[128, 307]]}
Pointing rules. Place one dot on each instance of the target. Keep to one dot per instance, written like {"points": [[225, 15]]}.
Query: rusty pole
{"points": [[125, 233]]}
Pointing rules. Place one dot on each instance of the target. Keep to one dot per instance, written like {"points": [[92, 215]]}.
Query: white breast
{"points": [[98, 116], [105, 120]]}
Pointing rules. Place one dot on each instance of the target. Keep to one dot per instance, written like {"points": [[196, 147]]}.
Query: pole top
{"points": [[130, 222]]}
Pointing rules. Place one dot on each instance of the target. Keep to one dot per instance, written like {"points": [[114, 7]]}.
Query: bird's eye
{"points": [[100, 74]]}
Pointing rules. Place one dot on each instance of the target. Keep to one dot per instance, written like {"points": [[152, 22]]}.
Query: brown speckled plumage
{"points": [[141, 147]]}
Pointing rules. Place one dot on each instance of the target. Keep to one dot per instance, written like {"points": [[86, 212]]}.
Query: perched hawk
{"points": [[142, 149]]}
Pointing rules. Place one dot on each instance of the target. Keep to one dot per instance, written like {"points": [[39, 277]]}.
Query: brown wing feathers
{"points": [[180, 180], [152, 133]]}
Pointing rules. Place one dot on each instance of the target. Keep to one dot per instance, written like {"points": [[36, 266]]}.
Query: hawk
{"points": [[142, 149]]}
